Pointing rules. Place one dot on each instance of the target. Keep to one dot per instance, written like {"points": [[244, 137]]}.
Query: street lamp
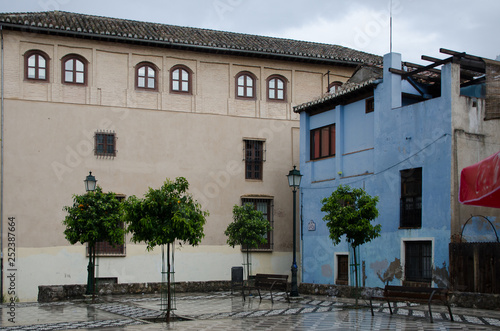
{"points": [[90, 182], [90, 185], [294, 177]]}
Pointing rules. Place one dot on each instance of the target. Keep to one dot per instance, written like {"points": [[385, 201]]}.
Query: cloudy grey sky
{"points": [[419, 27]]}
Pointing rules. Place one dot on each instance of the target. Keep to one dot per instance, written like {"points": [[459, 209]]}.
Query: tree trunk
{"points": [[355, 272]]}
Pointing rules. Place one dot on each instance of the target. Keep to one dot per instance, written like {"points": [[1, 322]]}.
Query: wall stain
{"points": [[386, 271], [441, 276], [326, 270]]}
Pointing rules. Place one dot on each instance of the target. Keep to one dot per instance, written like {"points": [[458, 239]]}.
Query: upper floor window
{"points": [[146, 76], [276, 88], [369, 105], [245, 85], [180, 79], [254, 158], [74, 70], [411, 198], [105, 144], [334, 87], [36, 65], [323, 142]]}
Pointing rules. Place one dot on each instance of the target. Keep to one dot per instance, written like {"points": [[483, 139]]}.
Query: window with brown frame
{"points": [[276, 88], [146, 77], [74, 70], [369, 105], [245, 85], [105, 144], [36, 66], [254, 159], [322, 142], [266, 207], [180, 79], [411, 198], [334, 87]]}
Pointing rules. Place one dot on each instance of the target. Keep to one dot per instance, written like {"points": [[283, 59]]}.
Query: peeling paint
{"points": [[441, 276], [387, 272]]}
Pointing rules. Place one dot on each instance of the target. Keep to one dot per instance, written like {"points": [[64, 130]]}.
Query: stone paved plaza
{"points": [[223, 311]]}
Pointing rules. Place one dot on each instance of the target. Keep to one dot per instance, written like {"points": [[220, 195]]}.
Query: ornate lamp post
{"points": [[90, 185], [294, 177]]}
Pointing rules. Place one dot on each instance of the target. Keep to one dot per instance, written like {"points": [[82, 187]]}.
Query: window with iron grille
{"points": [[105, 144], [266, 207], [411, 198], [254, 159], [418, 261], [322, 142]]}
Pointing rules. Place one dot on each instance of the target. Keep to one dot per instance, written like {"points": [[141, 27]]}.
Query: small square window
{"points": [[105, 144]]}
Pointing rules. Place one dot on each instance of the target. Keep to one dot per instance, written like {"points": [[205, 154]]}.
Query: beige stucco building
{"points": [[136, 103]]}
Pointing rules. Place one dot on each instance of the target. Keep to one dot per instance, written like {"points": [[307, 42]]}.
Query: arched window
{"points": [[334, 87], [245, 85], [74, 70], [276, 88], [180, 79], [146, 76], [36, 65]]}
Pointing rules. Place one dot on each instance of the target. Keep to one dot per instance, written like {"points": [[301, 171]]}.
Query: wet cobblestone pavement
{"points": [[223, 311]]}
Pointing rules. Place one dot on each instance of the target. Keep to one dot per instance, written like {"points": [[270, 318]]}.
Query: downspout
{"points": [[1, 165]]}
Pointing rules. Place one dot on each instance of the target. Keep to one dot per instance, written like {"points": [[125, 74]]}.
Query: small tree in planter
{"points": [[248, 229], [349, 211], [163, 216], [94, 217]]}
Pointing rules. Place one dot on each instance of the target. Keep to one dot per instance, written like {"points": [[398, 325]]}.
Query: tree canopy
{"points": [[165, 215], [349, 211], [249, 227], [93, 217]]}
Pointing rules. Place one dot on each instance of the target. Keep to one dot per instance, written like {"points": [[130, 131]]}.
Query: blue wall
{"points": [[371, 149]]}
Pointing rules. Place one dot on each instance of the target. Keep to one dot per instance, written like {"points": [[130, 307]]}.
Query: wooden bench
{"points": [[271, 282], [413, 294]]}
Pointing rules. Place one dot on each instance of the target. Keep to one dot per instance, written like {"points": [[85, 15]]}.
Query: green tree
{"points": [[248, 229], [94, 217], [349, 211], [164, 215]]}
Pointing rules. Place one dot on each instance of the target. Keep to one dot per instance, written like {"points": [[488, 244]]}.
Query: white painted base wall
{"points": [[68, 265]]}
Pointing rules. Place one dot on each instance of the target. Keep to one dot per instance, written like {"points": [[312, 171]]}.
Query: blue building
{"points": [[402, 132]]}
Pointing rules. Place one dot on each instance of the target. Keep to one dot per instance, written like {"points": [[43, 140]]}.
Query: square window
{"points": [[322, 142], [105, 144]]}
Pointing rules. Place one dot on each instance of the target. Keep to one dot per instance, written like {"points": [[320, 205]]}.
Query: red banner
{"points": [[480, 183]]}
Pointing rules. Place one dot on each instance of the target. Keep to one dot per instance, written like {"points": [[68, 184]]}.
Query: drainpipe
{"points": [[1, 165]]}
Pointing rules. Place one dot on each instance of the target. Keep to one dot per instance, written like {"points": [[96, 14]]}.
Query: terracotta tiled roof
{"points": [[344, 92], [113, 29]]}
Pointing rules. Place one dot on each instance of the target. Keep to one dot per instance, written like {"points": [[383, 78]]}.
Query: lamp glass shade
{"points": [[294, 177], [90, 182]]}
